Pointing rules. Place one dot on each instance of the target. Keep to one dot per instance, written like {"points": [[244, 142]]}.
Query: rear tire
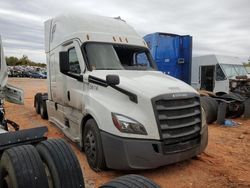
{"points": [[93, 146], [131, 180], [21, 167], [210, 107], [37, 102], [43, 109], [61, 164]]}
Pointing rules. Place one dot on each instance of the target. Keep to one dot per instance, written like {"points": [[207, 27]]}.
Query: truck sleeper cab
{"points": [[105, 94]]}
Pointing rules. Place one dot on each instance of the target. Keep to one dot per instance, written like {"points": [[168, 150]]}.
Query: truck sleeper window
{"points": [[118, 57], [74, 66]]}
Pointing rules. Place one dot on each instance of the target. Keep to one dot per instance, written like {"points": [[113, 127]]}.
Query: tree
{"points": [[14, 61]]}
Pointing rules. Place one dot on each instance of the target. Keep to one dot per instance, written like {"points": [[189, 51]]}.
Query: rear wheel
{"points": [[43, 109], [37, 102], [21, 167], [210, 107], [93, 146], [131, 180], [61, 164]]}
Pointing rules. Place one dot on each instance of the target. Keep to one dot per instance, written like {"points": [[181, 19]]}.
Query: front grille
{"points": [[179, 121]]}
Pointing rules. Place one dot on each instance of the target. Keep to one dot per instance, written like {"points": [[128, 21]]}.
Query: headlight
{"points": [[127, 125], [203, 117], [233, 84]]}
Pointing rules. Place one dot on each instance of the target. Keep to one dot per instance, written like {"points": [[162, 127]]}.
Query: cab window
{"points": [[219, 73], [74, 66]]}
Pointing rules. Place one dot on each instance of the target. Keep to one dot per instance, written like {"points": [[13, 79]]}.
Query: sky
{"points": [[217, 26]]}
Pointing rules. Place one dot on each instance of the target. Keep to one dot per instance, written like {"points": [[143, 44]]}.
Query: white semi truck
{"points": [[121, 111]]}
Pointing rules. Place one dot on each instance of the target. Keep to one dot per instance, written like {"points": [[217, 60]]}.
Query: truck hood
{"points": [[147, 83]]}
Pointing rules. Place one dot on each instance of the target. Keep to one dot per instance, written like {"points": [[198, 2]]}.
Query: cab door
{"points": [[207, 77], [73, 86], [221, 81]]}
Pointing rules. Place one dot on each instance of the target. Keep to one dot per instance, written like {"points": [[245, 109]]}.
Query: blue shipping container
{"points": [[172, 54]]}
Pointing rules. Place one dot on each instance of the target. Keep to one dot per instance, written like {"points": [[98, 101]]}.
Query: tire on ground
{"points": [[93, 146], [135, 181], [21, 167], [43, 109], [210, 107], [214, 105], [37, 102], [61, 164]]}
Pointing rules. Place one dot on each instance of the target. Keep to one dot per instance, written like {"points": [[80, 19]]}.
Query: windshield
{"points": [[241, 70], [234, 70], [118, 57]]}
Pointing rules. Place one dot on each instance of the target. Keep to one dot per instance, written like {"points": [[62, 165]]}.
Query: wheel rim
{"points": [[90, 146]]}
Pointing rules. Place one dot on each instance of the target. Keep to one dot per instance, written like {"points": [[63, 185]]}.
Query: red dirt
{"points": [[225, 162]]}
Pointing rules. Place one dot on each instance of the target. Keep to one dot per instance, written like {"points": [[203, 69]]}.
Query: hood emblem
{"points": [[175, 95]]}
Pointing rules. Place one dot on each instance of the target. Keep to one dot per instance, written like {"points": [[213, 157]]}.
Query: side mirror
{"points": [[112, 80], [64, 62]]}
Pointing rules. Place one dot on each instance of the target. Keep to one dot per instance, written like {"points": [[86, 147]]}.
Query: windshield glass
{"points": [[241, 70], [118, 57], [234, 70]]}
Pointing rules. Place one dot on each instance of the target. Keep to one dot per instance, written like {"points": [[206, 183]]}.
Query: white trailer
{"points": [[121, 111], [219, 74]]}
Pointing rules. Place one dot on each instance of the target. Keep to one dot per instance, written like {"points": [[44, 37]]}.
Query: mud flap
{"points": [[22, 137]]}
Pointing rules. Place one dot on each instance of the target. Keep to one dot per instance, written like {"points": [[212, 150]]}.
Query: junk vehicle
{"points": [[227, 78], [120, 110], [28, 159], [220, 74], [172, 54]]}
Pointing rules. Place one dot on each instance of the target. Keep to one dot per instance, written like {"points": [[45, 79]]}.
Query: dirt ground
{"points": [[225, 162]]}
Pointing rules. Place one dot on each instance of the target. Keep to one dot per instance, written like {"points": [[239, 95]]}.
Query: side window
{"points": [[219, 73], [74, 65], [141, 59]]}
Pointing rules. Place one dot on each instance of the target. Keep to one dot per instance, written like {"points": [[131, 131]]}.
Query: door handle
{"points": [[68, 95]]}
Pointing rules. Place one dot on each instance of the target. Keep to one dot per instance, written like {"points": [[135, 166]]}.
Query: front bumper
{"points": [[127, 154]]}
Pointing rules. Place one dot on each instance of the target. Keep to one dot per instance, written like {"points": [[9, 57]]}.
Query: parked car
{"points": [[36, 75]]}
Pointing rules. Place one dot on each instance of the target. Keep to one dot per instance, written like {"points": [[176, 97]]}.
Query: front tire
{"points": [[93, 146], [131, 180]]}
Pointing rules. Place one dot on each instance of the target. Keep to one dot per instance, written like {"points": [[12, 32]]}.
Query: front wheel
{"points": [[93, 146], [131, 180]]}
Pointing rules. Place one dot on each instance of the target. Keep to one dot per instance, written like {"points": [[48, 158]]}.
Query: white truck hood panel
{"points": [[147, 83]]}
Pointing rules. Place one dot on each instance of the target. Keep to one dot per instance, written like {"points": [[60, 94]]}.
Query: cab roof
{"points": [[214, 59], [88, 28]]}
